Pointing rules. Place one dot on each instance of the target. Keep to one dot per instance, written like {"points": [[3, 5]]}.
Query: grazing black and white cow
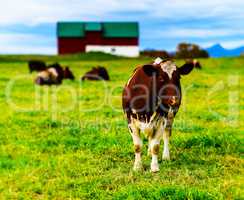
{"points": [[53, 75], [36, 65], [96, 73], [198, 65], [150, 100], [68, 74]]}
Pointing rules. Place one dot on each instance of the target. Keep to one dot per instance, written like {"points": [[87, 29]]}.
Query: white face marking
{"points": [[169, 67]]}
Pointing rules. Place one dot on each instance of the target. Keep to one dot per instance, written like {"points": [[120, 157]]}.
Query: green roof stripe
{"points": [[93, 26], [70, 29], [109, 29], [122, 29]]}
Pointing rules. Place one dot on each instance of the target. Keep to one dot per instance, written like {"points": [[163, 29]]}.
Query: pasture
{"points": [[72, 141]]}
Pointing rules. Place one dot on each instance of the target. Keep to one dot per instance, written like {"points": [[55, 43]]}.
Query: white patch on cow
{"points": [[154, 142], [169, 67], [157, 61], [143, 126], [133, 110], [147, 128], [136, 141], [53, 71], [138, 162], [154, 163], [166, 134], [44, 75]]}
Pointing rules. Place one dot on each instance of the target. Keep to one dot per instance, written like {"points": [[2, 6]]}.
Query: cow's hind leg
{"points": [[149, 146], [135, 133], [154, 146], [166, 136]]}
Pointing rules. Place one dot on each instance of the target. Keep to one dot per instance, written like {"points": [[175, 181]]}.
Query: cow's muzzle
{"points": [[173, 101]]}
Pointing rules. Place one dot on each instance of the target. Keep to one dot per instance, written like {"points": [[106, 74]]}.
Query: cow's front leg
{"points": [[166, 136], [137, 141], [155, 144]]}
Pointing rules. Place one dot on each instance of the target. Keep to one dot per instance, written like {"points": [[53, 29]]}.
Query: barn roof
{"points": [[109, 29], [93, 26], [70, 29], [122, 29]]}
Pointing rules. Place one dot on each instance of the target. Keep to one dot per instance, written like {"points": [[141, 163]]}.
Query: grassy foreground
{"points": [[72, 142]]}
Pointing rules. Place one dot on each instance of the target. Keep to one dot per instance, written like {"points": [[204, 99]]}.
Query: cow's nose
{"points": [[172, 100]]}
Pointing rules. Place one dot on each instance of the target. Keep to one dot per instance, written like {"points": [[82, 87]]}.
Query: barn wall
{"points": [[129, 51], [77, 45], [93, 37], [71, 45]]}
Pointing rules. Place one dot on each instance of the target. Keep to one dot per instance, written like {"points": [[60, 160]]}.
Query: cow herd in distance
{"points": [[54, 74]]}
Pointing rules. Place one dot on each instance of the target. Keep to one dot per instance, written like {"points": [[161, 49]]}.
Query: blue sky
{"points": [[30, 26]]}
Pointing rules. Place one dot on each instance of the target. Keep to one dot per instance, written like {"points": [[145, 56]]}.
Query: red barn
{"points": [[118, 38]]}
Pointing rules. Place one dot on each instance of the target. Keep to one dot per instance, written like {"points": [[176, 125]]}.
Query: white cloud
{"points": [[36, 11], [182, 33], [26, 43], [42, 50], [200, 9]]}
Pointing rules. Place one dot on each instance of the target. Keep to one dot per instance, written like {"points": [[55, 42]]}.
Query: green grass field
{"points": [[72, 141]]}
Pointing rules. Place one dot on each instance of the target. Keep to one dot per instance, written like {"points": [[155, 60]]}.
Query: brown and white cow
{"points": [[151, 99], [68, 74], [36, 65], [96, 73], [53, 75]]}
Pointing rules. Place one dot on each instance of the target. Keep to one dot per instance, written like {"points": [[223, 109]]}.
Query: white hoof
{"points": [[154, 168]]}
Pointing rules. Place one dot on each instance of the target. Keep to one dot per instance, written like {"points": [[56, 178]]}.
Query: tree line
{"points": [[183, 50]]}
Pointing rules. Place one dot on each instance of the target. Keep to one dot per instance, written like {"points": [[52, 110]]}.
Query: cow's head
{"points": [[167, 76], [68, 74]]}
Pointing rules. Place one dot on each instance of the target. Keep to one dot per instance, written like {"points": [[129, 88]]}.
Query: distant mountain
{"points": [[218, 51]]}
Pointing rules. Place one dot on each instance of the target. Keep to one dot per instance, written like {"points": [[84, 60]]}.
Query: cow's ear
{"points": [[186, 68], [150, 70]]}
